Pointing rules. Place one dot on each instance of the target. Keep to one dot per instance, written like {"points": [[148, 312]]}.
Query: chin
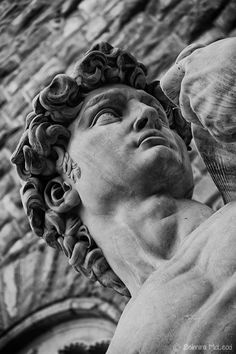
{"points": [[167, 168]]}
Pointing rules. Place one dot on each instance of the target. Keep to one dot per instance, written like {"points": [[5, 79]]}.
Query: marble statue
{"points": [[106, 178]]}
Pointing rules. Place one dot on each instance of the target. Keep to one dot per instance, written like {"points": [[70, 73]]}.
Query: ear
{"points": [[60, 196]]}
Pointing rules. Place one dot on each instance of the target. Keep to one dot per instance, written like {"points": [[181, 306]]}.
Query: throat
{"points": [[138, 238]]}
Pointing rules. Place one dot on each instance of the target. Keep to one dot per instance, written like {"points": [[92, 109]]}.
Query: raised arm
{"points": [[203, 83]]}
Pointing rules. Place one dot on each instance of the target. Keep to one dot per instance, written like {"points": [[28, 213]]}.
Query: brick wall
{"points": [[40, 39]]}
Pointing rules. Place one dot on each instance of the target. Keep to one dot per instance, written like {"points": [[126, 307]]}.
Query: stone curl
{"points": [[104, 64], [42, 160]]}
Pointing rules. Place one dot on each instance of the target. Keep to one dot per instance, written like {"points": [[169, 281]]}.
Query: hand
{"points": [[202, 83]]}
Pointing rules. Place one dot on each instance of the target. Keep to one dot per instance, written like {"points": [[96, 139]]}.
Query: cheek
{"points": [[102, 144], [99, 164]]}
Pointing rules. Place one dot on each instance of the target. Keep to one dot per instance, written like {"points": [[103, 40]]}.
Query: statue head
{"points": [[46, 156]]}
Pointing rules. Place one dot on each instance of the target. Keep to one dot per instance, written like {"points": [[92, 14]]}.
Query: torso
{"points": [[189, 304]]}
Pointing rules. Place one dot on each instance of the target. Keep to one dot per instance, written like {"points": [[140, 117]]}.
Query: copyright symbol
{"points": [[176, 348]]}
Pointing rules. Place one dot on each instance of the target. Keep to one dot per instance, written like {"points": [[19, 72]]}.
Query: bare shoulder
{"points": [[179, 301], [212, 246]]}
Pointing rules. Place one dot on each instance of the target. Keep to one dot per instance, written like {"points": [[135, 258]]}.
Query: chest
{"points": [[185, 311], [192, 298], [152, 321]]}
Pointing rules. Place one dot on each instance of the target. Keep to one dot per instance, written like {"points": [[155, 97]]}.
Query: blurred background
{"points": [[45, 306]]}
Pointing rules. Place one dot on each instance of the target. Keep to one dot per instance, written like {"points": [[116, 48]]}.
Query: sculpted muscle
{"points": [[107, 179]]}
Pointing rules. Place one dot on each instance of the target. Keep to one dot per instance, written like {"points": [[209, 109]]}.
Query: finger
{"points": [[171, 81], [188, 51], [186, 108]]}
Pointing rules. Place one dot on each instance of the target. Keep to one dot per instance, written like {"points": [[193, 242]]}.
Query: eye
{"points": [[105, 116]]}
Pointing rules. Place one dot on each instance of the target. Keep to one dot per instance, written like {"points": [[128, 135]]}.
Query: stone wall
{"points": [[40, 39]]}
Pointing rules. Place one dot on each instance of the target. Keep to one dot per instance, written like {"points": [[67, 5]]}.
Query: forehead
{"points": [[115, 92]]}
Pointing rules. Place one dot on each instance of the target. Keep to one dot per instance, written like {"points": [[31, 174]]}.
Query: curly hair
{"points": [[41, 157]]}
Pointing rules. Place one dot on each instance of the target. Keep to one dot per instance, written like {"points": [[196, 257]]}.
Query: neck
{"points": [[137, 237]]}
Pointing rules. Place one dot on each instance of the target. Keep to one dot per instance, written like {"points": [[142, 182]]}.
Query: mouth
{"points": [[152, 138]]}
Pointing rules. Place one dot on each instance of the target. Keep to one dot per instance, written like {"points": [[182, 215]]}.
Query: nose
{"points": [[148, 118]]}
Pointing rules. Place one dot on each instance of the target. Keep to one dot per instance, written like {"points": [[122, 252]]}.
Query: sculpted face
{"points": [[124, 147]]}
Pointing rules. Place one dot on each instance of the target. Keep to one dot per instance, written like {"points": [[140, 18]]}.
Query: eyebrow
{"points": [[105, 96], [115, 96], [99, 100]]}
